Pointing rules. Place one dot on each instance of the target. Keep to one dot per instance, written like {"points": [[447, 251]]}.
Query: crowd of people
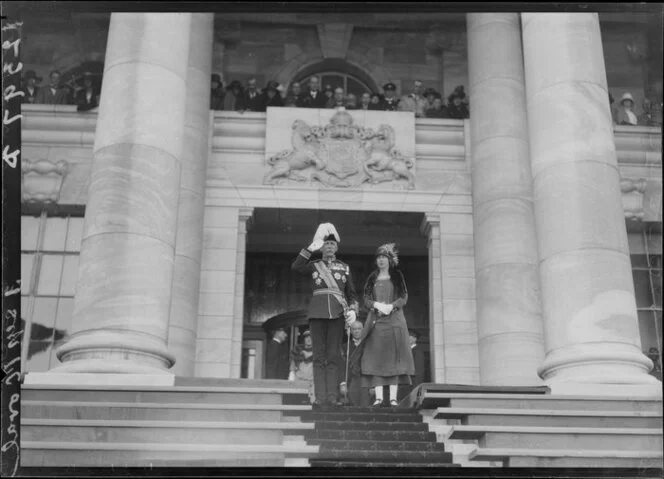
{"points": [[625, 113], [379, 355], [423, 102], [81, 90]]}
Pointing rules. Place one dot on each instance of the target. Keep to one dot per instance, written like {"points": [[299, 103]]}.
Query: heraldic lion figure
{"points": [[385, 162], [303, 155]]}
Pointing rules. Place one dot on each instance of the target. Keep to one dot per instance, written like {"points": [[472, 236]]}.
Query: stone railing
{"points": [[60, 140]]}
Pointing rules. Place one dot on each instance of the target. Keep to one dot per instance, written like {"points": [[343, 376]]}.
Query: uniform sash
{"points": [[331, 283]]}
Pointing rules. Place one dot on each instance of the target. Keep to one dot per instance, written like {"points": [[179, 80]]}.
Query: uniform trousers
{"points": [[326, 336]]}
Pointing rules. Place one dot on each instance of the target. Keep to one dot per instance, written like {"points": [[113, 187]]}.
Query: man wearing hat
{"points": [[414, 101], [333, 304], [277, 362], [53, 94], [390, 101], [30, 89], [87, 96], [626, 115], [217, 92]]}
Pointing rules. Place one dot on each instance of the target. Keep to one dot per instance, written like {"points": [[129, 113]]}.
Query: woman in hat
{"points": [[375, 102], [302, 363], [626, 115], [30, 88], [234, 99], [456, 107], [386, 358]]}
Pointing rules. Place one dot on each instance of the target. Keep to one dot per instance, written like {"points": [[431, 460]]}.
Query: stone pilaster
{"points": [[121, 310], [189, 237], [591, 326], [509, 318], [244, 224]]}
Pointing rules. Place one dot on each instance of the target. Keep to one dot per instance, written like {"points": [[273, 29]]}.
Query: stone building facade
{"points": [[530, 214]]}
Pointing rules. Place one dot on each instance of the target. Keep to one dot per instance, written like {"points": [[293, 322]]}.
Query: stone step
{"points": [[186, 432], [414, 457], [372, 426], [370, 435], [569, 458], [84, 454], [159, 394], [550, 417], [631, 439], [528, 401], [346, 416], [336, 444], [157, 411], [377, 464]]}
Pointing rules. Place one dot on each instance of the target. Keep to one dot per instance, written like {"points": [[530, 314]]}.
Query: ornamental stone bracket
{"points": [[642, 199], [41, 180], [341, 154], [334, 39]]}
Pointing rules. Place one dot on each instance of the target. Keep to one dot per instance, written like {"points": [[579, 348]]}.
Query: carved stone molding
{"points": [[642, 199], [334, 39], [42, 180], [341, 154]]}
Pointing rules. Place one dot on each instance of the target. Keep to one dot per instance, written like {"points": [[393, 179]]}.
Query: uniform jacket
{"points": [[277, 363], [46, 97], [324, 304], [412, 103], [419, 360], [388, 105], [309, 102]]}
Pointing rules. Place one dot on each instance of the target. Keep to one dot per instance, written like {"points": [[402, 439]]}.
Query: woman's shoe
{"points": [[394, 403], [377, 403]]}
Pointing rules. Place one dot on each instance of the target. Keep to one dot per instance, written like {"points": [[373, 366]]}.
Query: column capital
{"points": [[430, 222], [245, 215]]}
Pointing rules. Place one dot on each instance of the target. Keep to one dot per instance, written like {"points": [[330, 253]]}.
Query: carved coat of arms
{"points": [[341, 154]]}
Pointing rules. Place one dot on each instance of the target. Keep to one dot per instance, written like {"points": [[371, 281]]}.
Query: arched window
{"points": [[336, 73]]}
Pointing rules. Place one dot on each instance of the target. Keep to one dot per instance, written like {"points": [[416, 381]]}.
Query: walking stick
{"points": [[347, 360]]}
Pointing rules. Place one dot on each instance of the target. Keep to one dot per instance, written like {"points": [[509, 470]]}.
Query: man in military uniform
{"points": [[390, 102], [334, 302]]}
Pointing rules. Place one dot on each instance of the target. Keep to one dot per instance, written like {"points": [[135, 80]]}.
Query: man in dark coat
{"points": [[420, 364], [30, 88], [270, 97], [87, 97], [334, 302], [357, 395], [54, 93], [277, 363], [390, 101], [314, 98], [217, 93], [252, 97]]}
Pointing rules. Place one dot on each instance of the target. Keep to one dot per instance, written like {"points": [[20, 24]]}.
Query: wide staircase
{"points": [[266, 423], [196, 423]]}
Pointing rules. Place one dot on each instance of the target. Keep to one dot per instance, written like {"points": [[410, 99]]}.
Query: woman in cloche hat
{"points": [[626, 115], [386, 357]]}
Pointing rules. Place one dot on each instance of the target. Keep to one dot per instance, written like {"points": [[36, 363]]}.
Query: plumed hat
{"points": [[327, 232], [390, 251]]}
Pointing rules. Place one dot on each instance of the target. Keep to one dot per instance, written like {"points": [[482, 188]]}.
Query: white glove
{"points": [[388, 309], [350, 318], [315, 245], [383, 308]]}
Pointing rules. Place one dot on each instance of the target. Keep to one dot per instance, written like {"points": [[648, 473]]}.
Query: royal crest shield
{"points": [[341, 157]]}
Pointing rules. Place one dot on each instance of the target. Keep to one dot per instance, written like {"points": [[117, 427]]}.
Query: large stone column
{"points": [[189, 237], [591, 326], [509, 318], [121, 309]]}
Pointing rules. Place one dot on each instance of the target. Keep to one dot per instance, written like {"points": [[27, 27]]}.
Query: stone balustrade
{"points": [[57, 133]]}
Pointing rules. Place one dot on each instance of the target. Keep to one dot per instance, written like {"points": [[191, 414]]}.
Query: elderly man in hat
{"points": [[30, 89], [54, 93], [390, 101], [277, 362], [413, 101], [357, 395], [626, 115], [333, 304]]}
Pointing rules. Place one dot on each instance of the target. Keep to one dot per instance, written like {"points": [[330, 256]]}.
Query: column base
{"points": [[572, 388]]}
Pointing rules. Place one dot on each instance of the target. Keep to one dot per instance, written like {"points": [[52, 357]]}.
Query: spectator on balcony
{"points": [[252, 97], [390, 101], [413, 101], [329, 92], [217, 93], [351, 102], [270, 97], [456, 107], [54, 93], [30, 87], [614, 110], [338, 99], [376, 102], [234, 98], [430, 95], [294, 97], [87, 97], [652, 113], [314, 97], [626, 115], [438, 110], [365, 101]]}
